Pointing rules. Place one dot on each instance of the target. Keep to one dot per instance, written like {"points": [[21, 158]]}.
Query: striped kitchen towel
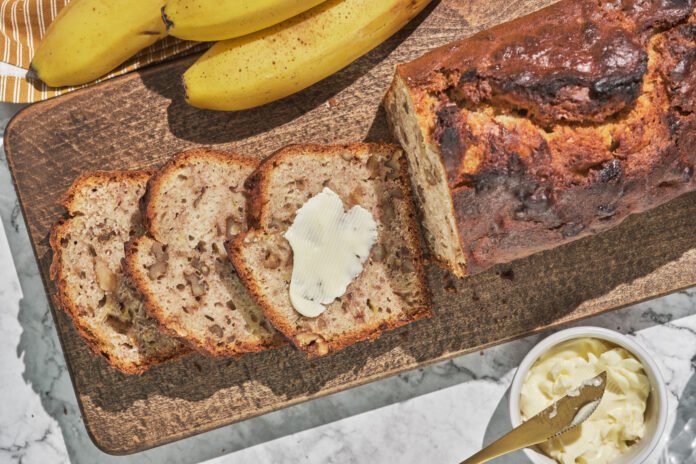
{"points": [[24, 23]]}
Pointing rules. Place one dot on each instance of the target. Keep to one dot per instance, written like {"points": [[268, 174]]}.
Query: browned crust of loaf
{"points": [[525, 62], [556, 195], [60, 298], [257, 197], [151, 302]]}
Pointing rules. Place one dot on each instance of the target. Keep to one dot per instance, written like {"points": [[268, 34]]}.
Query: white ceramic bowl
{"points": [[656, 411]]}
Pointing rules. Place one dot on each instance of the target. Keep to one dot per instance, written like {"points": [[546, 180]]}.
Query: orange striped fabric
{"points": [[24, 23]]}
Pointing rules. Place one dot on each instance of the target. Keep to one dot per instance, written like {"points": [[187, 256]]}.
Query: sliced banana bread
{"points": [[391, 290], [193, 204], [87, 269]]}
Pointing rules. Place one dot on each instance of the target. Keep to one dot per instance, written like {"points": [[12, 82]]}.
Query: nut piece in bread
{"points": [[391, 290], [192, 205], [87, 268]]}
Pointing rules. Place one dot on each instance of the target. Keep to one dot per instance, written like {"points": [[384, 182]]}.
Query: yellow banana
{"points": [[249, 71], [210, 20], [89, 38]]}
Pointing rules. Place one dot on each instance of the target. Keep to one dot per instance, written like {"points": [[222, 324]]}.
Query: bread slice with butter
{"points": [[87, 268], [193, 204], [389, 289]]}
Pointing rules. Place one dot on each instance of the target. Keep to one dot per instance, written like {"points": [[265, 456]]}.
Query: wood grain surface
{"points": [[140, 120]]}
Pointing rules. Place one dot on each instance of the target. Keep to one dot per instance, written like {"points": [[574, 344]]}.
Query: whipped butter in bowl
{"points": [[631, 417]]}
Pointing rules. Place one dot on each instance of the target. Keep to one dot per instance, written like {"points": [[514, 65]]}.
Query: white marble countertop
{"points": [[439, 414]]}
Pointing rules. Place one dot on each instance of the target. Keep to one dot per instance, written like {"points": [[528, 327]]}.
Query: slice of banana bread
{"points": [[553, 127], [391, 290], [192, 205], [87, 268]]}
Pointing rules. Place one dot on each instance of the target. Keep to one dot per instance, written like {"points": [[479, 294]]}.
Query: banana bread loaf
{"points": [[549, 128]]}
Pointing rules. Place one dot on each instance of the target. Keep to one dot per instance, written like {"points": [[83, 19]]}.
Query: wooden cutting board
{"points": [[141, 120]]}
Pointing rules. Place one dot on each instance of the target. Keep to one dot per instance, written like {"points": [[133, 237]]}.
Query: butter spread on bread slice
{"points": [[329, 247]]}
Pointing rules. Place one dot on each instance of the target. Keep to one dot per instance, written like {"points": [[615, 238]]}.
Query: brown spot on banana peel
{"points": [[186, 92], [187, 97], [167, 22], [150, 33]]}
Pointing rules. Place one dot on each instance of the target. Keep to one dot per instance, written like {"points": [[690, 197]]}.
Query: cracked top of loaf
{"points": [[558, 124]]}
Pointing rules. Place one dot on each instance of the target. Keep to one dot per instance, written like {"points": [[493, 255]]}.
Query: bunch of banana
{"points": [[259, 68], [89, 38], [271, 48]]}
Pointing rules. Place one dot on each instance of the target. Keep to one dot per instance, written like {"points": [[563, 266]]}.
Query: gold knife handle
{"points": [[527, 434]]}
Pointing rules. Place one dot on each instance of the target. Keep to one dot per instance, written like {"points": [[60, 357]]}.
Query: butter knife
{"points": [[565, 414]]}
